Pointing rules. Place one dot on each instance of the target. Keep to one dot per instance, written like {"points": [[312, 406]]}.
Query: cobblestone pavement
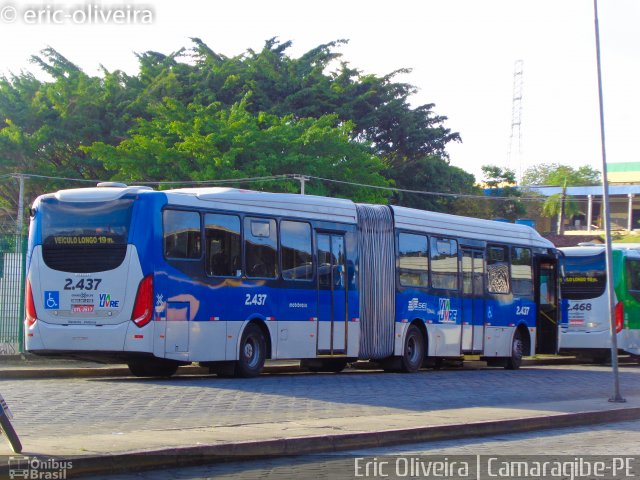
{"points": [[619, 439], [49, 407]]}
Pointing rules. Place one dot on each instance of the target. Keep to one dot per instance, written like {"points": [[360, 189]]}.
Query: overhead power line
{"points": [[289, 176]]}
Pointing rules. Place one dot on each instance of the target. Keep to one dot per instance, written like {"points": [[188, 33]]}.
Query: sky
{"points": [[461, 53]]}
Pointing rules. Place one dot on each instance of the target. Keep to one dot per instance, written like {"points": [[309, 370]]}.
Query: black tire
{"points": [[153, 368], [253, 352], [517, 352], [414, 350], [9, 431]]}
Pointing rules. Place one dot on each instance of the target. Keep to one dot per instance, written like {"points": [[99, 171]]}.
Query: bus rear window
{"points": [[584, 277], [85, 236]]}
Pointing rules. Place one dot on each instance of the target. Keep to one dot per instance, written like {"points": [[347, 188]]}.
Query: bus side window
{"points": [[222, 234], [413, 260], [181, 234], [498, 270], [297, 258], [260, 247], [444, 264], [521, 271]]}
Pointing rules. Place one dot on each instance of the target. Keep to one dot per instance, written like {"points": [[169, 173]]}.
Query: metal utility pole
{"points": [[20, 219], [617, 397], [302, 179], [514, 155]]}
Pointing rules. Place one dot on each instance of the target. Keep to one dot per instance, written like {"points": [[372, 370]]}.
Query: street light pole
{"points": [[617, 397], [20, 215]]}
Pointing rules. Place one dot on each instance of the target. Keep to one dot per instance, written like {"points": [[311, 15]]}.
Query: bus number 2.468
{"points": [[581, 307], [257, 299]]}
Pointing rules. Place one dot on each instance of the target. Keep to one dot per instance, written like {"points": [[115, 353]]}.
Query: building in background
{"points": [[624, 198]]}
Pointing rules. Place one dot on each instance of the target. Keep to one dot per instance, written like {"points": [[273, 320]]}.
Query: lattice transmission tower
{"points": [[514, 155]]}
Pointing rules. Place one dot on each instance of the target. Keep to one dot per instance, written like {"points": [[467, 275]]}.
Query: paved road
{"points": [[619, 439], [45, 407]]}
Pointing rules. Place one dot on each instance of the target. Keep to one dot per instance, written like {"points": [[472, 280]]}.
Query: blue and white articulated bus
{"points": [[229, 278]]}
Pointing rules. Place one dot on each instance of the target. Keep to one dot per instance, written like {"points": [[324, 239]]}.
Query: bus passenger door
{"points": [[332, 294], [472, 300], [548, 316]]}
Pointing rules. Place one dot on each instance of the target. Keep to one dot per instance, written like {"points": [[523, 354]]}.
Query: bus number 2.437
{"points": [[82, 284], [257, 299]]}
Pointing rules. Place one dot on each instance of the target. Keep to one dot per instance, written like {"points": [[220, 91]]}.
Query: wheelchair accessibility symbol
{"points": [[51, 300]]}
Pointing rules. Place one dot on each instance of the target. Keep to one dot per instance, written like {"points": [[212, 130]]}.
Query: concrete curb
{"points": [[237, 451]]}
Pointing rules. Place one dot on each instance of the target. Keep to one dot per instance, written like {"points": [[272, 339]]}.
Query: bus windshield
{"points": [[86, 223], [584, 277], [74, 232]]}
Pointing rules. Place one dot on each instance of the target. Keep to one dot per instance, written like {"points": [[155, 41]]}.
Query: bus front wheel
{"points": [[253, 352], [517, 349], [413, 355]]}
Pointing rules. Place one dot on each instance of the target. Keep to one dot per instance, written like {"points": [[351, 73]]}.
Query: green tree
{"points": [[43, 125], [501, 182], [407, 139], [208, 143], [556, 174], [341, 122], [561, 205], [431, 174]]}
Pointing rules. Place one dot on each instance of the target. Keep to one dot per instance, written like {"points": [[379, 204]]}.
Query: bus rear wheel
{"points": [[517, 351], [253, 352], [414, 351], [153, 368]]}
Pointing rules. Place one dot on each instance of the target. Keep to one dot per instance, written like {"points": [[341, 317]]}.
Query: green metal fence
{"points": [[12, 262]]}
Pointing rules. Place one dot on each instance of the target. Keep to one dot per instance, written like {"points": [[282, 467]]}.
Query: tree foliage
{"points": [[557, 174], [209, 143], [196, 114], [561, 175], [501, 182]]}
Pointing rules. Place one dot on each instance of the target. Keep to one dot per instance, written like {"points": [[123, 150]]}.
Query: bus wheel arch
{"points": [[253, 349], [415, 347]]}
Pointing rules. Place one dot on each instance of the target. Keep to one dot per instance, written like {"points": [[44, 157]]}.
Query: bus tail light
{"points": [[29, 306], [619, 316], [143, 307]]}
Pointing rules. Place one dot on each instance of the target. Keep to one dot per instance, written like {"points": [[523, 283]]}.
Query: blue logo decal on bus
{"points": [[51, 300], [446, 314], [107, 302], [416, 305]]}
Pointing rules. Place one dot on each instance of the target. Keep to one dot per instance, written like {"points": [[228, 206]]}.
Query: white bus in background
{"points": [[585, 327]]}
